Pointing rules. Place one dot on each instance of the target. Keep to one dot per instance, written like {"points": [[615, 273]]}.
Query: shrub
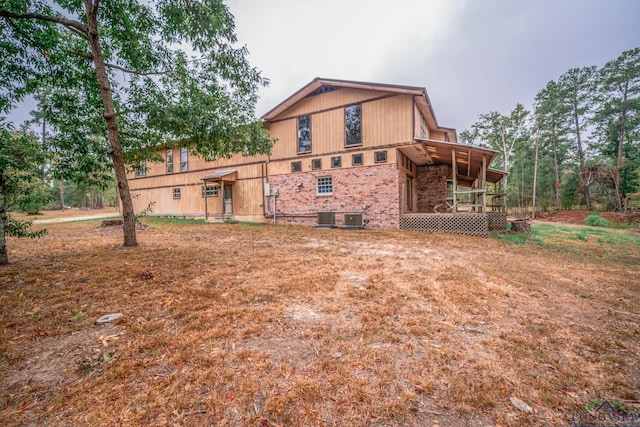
{"points": [[596, 220]]}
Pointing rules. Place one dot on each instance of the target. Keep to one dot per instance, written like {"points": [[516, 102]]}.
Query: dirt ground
{"points": [[578, 217], [237, 325]]}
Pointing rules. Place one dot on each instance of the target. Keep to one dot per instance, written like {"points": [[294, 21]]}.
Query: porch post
{"points": [[454, 173], [206, 203], [484, 182]]}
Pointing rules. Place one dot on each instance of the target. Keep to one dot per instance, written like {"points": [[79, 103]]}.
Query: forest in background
{"points": [[577, 148]]}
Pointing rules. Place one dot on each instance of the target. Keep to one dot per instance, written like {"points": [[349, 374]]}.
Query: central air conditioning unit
{"points": [[353, 221], [326, 220]]}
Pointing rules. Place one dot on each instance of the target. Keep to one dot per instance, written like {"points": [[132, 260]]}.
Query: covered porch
{"points": [[218, 194], [455, 190]]}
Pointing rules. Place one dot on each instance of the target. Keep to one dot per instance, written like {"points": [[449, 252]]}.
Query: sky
{"points": [[472, 56]]}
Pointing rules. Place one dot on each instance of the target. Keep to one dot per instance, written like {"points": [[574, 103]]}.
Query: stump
{"points": [[521, 226]]}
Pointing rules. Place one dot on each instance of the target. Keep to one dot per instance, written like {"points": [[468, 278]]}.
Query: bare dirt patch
{"points": [[240, 325]]}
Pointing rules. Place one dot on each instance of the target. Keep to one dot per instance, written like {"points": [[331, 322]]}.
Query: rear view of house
{"points": [[347, 154]]}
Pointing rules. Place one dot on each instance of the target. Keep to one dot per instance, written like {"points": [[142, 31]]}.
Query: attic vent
{"points": [[326, 220], [353, 221], [323, 89]]}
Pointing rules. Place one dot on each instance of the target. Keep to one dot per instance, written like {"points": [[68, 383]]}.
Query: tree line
{"points": [[578, 147]]}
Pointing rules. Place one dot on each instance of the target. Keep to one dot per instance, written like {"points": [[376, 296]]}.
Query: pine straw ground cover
{"points": [[266, 326]]}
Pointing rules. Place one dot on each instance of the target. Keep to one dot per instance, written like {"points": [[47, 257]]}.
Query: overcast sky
{"points": [[472, 56]]}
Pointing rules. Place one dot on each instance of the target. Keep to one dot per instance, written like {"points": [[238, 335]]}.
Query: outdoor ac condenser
{"points": [[353, 221], [326, 220]]}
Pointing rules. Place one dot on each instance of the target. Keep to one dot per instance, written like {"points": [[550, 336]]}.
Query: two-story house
{"points": [[346, 153]]}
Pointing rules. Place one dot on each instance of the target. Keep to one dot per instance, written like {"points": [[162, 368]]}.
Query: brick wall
{"points": [[432, 187], [372, 190]]}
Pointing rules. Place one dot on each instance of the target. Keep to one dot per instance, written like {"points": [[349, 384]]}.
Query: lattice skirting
{"points": [[469, 224], [497, 221]]}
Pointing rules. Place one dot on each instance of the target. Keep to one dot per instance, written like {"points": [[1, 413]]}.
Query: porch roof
{"points": [[468, 158], [228, 175]]}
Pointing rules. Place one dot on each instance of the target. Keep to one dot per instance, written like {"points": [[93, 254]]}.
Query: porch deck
{"points": [[466, 223]]}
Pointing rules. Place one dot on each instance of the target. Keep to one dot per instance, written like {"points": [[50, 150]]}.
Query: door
{"points": [[228, 201]]}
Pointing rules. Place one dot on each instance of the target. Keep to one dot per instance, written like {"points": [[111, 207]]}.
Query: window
{"points": [[296, 166], [336, 162], [324, 185], [352, 126], [141, 171], [176, 193], [304, 134], [169, 160], [184, 159], [423, 127], [357, 159], [316, 164], [380, 156], [210, 191]]}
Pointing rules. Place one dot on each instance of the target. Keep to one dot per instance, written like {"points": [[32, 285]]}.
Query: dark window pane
{"points": [[357, 159], [296, 166], [316, 164], [336, 162], [304, 134], [353, 125], [380, 156]]}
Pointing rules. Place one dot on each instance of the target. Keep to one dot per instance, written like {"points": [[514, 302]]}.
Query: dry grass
{"points": [[267, 326]]}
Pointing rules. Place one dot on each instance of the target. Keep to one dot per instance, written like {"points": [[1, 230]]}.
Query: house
{"points": [[346, 154]]}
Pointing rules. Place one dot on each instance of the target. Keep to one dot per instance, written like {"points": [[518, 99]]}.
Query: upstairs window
{"points": [[304, 134], [184, 159], [316, 164], [141, 171], [423, 127], [176, 193], [336, 162], [169, 160], [357, 159], [296, 166], [353, 125]]}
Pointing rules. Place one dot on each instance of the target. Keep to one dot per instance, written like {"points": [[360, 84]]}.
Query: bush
{"points": [[596, 220]]}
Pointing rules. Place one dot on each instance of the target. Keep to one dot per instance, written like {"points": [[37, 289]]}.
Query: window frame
{"points": [[347, 130], [296, 166], [324, 183], [299, 130], [316, 164], [377, 154], [169, 160], [213, 188], [184, 159], [353, 159], [336, 162], [177, 193], [142, 171]]}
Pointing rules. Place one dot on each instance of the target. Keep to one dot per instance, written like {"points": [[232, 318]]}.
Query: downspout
{"points": [[267, 205]]}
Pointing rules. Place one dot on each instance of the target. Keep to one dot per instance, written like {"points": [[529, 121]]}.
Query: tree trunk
{"points": [[585, 186], [619, 166], [4, 256], [557, 168], [535, 177], [128, 214], [61, 187]]}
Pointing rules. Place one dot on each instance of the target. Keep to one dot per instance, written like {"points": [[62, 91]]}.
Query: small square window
{"points": [[296, 166], [380, 156], [324, 185], [316, 164], [357, 159], [336, 162], [177, 193], [210, 191]]}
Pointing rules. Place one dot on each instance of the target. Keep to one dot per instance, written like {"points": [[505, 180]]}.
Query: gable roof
{"points": [[420, 94]]}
